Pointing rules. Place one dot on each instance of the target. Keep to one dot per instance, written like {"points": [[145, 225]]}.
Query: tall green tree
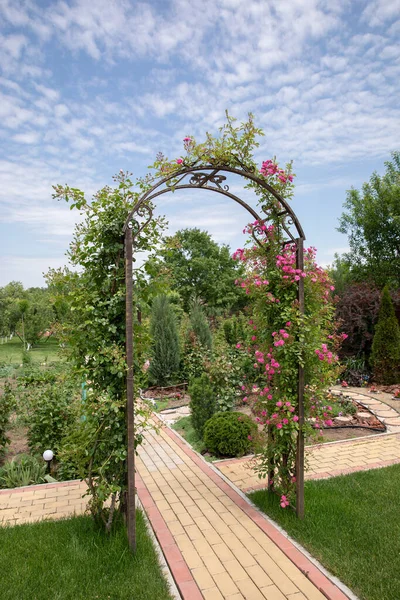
{"points": [[371, 220], [385, 356], [199, 267], [200, 327], [164, 364]]}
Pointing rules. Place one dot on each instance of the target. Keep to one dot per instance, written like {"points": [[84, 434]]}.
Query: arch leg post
{"points": [[130, 416], [300, 397]]}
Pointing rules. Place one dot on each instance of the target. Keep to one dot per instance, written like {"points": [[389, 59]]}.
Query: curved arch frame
{"points": [[206, 177]]}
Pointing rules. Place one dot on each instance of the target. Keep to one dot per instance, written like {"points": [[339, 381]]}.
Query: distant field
{"points": [[44, 351]]}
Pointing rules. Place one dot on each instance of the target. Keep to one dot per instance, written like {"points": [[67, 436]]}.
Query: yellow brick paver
{"points": [[229, 556], [55, 501], [324, 459]]}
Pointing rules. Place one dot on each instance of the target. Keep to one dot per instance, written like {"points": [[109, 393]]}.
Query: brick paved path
{"points": [[325, 460], [335, 458], [216, 544]]}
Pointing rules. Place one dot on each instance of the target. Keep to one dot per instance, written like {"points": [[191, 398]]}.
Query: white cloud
{"points": [[30, 137]]}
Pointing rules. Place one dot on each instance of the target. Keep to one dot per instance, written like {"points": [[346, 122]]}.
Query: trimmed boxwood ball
{"points": [[229, 434]]}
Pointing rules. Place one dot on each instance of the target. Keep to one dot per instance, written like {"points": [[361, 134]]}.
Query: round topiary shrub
{"points": [[229, 434]]}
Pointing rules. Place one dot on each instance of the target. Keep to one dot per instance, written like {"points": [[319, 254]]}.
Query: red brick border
{"points": [[321, 582], [180, 571]]}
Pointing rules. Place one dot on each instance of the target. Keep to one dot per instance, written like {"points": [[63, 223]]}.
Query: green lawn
{"points": [[44, 351], [73, 560], [352, 526]]}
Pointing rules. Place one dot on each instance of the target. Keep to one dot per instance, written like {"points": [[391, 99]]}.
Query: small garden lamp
{"points": [[48, 457]]}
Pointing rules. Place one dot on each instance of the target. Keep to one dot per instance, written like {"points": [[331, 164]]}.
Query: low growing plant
{"points": [[22, 470], [229, 434]]}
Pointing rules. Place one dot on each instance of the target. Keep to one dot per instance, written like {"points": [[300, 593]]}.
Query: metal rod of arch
{"points": [[202, 184], [130, 414], [201, 180]]}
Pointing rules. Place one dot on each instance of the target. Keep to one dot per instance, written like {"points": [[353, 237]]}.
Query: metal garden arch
{"points": [[206, 177]]}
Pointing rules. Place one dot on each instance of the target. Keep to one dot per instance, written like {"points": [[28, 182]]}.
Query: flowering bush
{"points": [[278, 337]]}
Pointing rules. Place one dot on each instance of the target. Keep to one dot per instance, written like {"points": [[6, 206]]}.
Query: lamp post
{"points": [[48, 456]]}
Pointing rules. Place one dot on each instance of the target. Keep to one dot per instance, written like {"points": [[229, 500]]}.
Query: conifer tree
{"points": [[164, 364], [200, 327], [385, 356]]}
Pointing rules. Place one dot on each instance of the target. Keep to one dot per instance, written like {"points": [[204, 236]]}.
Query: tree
{"points": [[164, 363], [200, 327], [385, 356], [203, 402], [372, 221], [199, 267]]}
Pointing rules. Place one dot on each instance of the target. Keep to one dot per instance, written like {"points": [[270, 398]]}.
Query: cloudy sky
{"points": [[91, 86]]}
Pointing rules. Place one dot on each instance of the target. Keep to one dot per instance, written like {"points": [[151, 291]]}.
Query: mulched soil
{"points": [[175, 395]]}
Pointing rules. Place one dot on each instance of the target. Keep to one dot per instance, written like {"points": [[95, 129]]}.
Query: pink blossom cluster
{"points": [[188, 143], [269, 168], [259, 226], [324, 353], [287, 261], [284, 501], [322, 414], [282, 336], [282, 415]]}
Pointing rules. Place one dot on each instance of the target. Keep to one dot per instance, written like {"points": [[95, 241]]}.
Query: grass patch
{"points": [[44, 351], [161, 405], [185, 428], [73, 559], [352, 526]]}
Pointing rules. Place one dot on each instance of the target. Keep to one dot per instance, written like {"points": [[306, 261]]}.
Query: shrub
{"points": [[164, 364], [229, 434], [200, 327], [22, 470], [202, 402], [385, 356], [53, 409], [7, 403], [357, 310]]}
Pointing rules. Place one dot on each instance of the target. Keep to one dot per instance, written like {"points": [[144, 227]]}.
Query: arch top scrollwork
{"points": [[213, 178]]}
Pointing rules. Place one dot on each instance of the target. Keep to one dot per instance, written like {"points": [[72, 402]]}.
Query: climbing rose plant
{"points": [[278, 337]]}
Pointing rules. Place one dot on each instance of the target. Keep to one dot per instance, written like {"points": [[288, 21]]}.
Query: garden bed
{"points": [[172, 396]]}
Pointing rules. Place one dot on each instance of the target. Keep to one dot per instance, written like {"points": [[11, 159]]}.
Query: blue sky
{"points": [[90, 87]]}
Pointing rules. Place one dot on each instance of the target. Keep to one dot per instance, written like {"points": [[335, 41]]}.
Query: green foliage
{"points": [[198, 267], [28, 313], [234, 329], [229, 434], [94, 334], [53, 410], [200, 327], [372, 222], [195, 357], [184, 427], [165, 358], [202, 402], [7, 404], [385, 356], [22, 470], [226, 370]]}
